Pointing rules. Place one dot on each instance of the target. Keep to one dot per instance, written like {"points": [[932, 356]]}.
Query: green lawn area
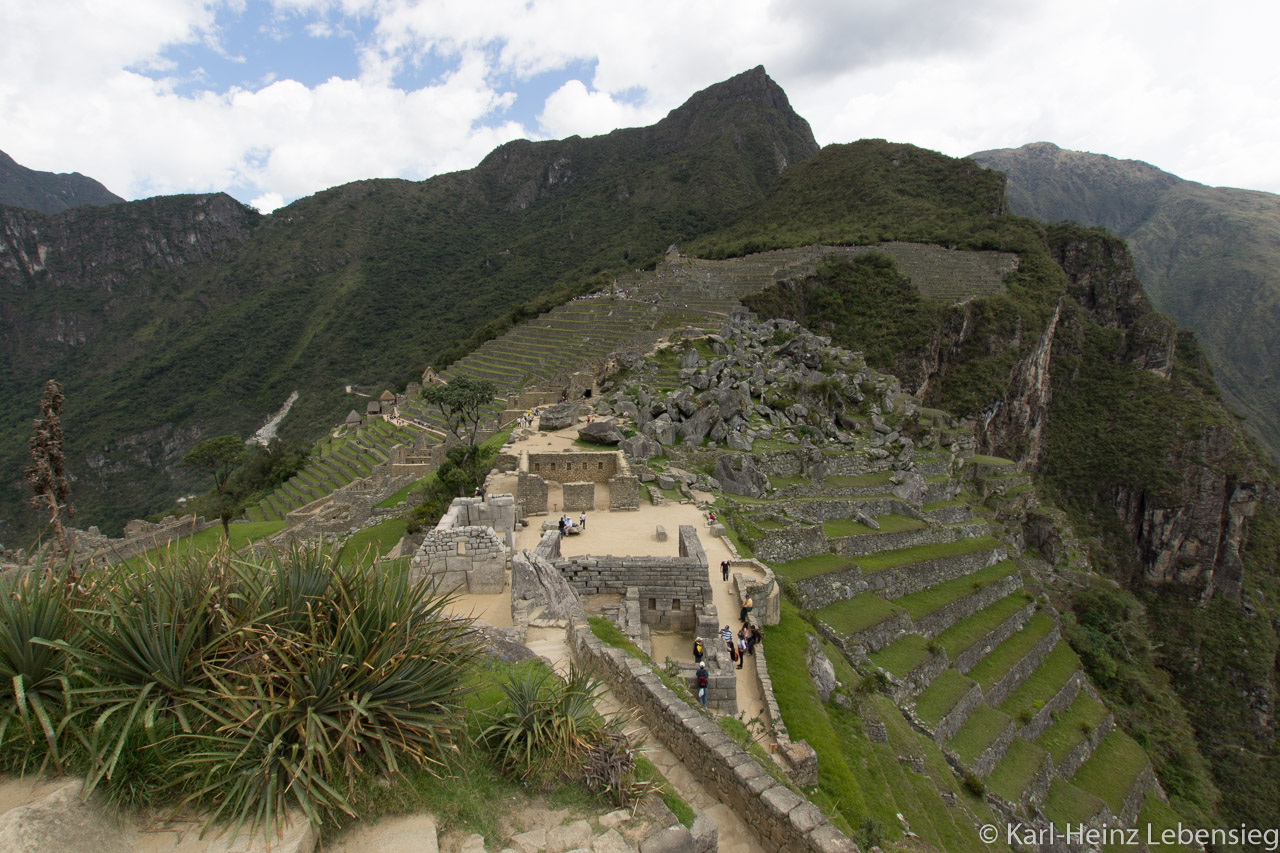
{"points": [[374, 541], [902, 655], [1043, 684], [983, 725], [978, 459], [1067, 805], [809, 567], [1112, 769], [988, 670], [921, 553], [784, 482], [1159, 816], [962, 635], [1072, 726], [857, 613], [1015, 771], [876, 478], [941, 696], [888, 524], [934, 598], [242, 534]]}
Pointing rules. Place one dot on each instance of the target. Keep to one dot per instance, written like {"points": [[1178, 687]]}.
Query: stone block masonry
{"points": [[466, 549], [579, 497], [671, 589], [573, 467], [782, 819]]}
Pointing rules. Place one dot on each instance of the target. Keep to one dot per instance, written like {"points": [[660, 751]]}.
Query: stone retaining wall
{"points": [[1043, 717], [1076, 758], [915, 681], [1019, 672], [954, 719], [950, 514], [818, 592], [990, 757], [800, 759], [967, 659], [944, 617], [862, 544], [782, 819], [779, 546]]}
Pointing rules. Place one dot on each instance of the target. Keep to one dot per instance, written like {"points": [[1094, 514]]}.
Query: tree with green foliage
{"points": [[461, 401], [220, 456], [47, 474]]}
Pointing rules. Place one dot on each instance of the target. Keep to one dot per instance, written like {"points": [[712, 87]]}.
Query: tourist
{"points": [[726, 634], [724, 570], [702, 683], [742, 649], [698, 650], [751, 640], [746, 610], [582, 520]]}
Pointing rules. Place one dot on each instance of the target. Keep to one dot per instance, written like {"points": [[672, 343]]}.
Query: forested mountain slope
{"points": [[176, 318], [1207, 256]]}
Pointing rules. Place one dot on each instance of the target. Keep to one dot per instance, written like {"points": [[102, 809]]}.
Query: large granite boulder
{"points": [[640, 447], [821, 670], [559, 416], [601, 432], [738, 475]]}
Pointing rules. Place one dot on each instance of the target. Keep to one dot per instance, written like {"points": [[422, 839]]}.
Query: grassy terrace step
{"points": [[888, 524], [1043, 684], [1159, 817], [1072, 726], [920, 604], [1068, 806], [983, 725], [936, 700], [921, 553], [255, 513], [857, 614], [1112, 769], [989, 670], [961, 636], [876, 478], [822, 564], [902, 655], [1014, 774]]}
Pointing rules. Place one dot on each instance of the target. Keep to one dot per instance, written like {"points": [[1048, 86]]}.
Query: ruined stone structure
{"points": [[139, 537], [346, 508], [578, 473], [470, 547]]}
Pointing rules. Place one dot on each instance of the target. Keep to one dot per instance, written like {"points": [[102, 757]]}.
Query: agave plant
{"points": [[368, 678], [147, 637], [35, 621], [546, 723]]}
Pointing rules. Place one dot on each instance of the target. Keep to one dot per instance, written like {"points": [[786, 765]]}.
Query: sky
{"points": [[275, 100]]}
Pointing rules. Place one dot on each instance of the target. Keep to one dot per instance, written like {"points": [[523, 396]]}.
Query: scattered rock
{"points": [[738, 475]]}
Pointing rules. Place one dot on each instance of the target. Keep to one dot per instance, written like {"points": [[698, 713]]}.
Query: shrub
{"points": [[973, 784]]}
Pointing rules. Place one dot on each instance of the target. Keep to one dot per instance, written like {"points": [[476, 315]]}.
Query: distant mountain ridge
{"points": [[1207, 256], [48, 192]]}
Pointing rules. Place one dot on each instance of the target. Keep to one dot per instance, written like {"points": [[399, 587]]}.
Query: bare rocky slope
{"points": [[48, 192]]}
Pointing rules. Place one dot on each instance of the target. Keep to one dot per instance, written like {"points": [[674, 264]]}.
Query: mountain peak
{"points": [[753, 88], [48, 192]]}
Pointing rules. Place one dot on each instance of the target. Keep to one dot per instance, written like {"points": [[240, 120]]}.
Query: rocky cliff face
{"points": [[1189, 528]]}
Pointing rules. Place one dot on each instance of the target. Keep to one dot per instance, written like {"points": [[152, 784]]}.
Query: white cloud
{"points": [[1187, 90]]}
